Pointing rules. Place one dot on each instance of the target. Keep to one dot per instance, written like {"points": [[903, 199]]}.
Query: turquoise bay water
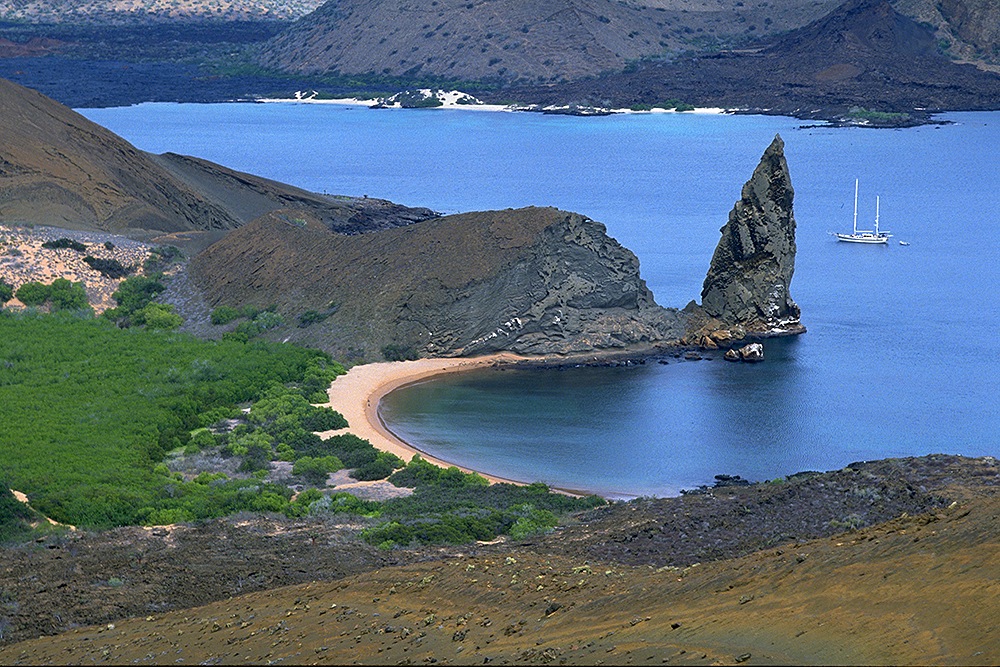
{"points": [[898, 359]]}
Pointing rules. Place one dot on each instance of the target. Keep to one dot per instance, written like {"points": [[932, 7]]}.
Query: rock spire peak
{"points": [[747, 286]]}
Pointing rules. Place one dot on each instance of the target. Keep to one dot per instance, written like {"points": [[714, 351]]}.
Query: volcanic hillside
{"points": [[863, 55], [920, 588], [533, 40], [57, 168], [534, 281], [116, 11]]}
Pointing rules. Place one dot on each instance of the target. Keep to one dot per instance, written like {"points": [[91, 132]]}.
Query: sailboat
{"points": [[864, 235]]}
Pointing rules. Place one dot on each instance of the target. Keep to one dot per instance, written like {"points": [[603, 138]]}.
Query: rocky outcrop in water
{"points": [[747, 287]]}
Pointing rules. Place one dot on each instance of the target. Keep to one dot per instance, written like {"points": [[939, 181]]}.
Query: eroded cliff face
{"points": [[575, 290], [532, 281], [747, 287], [535, 281]]}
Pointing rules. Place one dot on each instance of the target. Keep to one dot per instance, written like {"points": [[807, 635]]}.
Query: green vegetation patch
{"points": [[449, 506], [878, 117], [90, 410], [109, 268], [61, 294]]}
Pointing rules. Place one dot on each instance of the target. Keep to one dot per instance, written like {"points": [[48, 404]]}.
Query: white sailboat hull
{"points": [[862, 238]]}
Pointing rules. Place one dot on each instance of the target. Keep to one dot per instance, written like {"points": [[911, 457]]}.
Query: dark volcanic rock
{"points": [[864, 55], [532, 281], [747, 285]]}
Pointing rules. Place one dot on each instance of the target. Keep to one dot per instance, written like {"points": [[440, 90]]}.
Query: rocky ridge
{"points": [[533, 40], [59, 169], [534, 281], [863, 56]]}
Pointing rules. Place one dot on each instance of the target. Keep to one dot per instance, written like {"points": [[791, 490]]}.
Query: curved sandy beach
{"points": [[356, 396]]}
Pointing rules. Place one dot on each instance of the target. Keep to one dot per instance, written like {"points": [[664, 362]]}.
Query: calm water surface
{"points": [[899, 356]]}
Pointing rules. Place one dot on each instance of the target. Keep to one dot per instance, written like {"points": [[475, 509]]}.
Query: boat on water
{"points": [[864, 235]]}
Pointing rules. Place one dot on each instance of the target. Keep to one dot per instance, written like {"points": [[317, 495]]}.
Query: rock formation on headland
{"points": [[532, 281], [365, 276], [536, 281], [747, 286]]}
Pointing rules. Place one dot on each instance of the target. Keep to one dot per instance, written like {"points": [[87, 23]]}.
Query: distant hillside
{"points": [[862, 57], [57, 168], [116, 11], [539, 40], [967, 30]]}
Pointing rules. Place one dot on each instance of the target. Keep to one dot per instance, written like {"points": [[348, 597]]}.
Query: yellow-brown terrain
{"points": [[916, 590], [921, 588]]}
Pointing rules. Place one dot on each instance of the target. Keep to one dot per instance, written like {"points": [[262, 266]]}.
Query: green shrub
{"points": [[158, 316], [109, 268], [161, 258], [133, 296], [315, 470], [33, 293], [202, 438], [383, 466], [66, 295], [166, 517], [6, 292], [15, 516], [268, 320], [532, 522], [224, 315], [65, 243]]}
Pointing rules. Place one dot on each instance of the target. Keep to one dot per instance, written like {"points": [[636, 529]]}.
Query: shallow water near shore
{"points": [[897, 360]]}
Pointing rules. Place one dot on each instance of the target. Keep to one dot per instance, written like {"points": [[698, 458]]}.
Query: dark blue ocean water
{"points": [[901, 354]]}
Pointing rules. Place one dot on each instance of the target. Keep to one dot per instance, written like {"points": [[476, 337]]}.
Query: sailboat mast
{"points": [[876, 215], [855, 206]]}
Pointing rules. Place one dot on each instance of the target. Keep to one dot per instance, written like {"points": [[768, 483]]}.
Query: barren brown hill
{"points": [[59, 169], [115, 11], [536, 40], [862, 55], [918, 589], [535, 281]]}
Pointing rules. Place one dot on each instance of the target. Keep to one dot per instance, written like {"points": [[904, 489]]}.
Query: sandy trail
{"points": [[356, 395]]}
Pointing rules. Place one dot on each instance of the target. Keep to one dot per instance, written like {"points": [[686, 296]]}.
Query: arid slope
{"points": [[915, 590], [59, 169], [535, 40]]}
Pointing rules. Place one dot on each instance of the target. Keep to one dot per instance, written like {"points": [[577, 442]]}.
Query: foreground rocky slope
{"points": [[920, 588], [59, 169]]}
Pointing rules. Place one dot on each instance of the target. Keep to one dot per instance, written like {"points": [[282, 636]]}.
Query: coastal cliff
{"points": [[533, 281], [747, 289]]}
